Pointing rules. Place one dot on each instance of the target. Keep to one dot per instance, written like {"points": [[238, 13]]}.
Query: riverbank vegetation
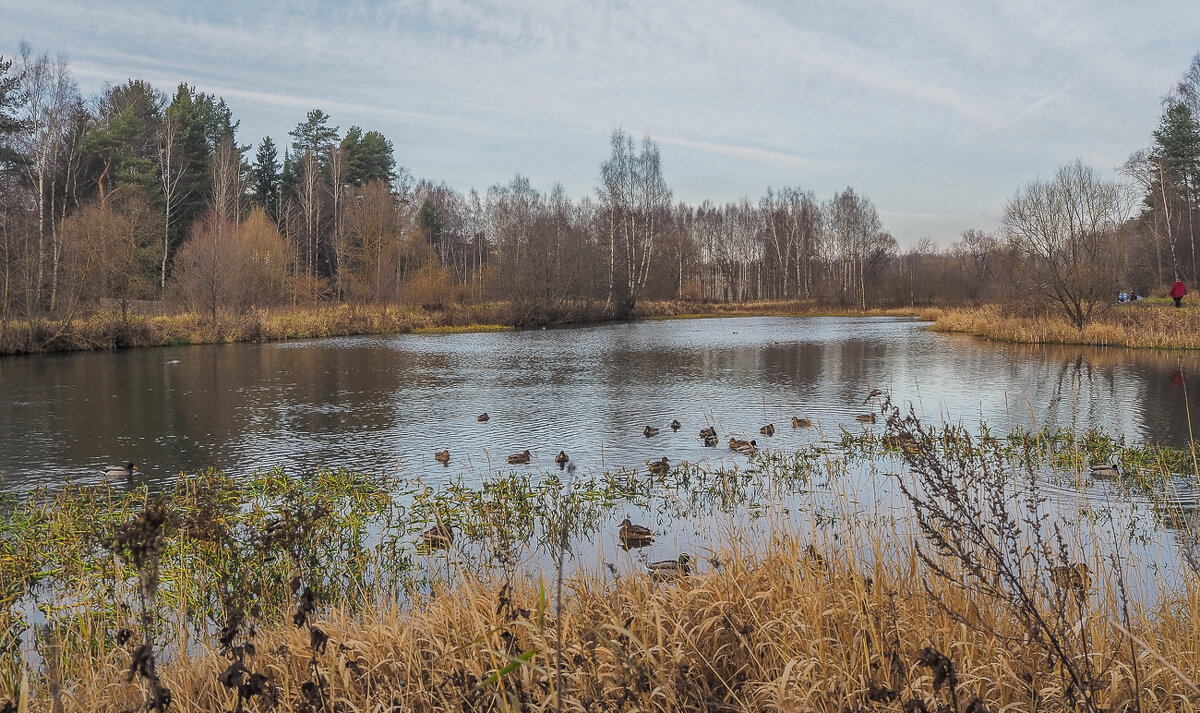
{"points": [[1154, 325], [961, 590], [142, 196]]}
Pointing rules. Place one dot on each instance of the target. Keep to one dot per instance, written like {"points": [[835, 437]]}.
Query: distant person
{"points": [[1122, 297], [1178, 290]]}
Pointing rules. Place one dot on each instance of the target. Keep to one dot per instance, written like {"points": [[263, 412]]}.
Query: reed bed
{"points": [[964, 594], [1155, 326]]}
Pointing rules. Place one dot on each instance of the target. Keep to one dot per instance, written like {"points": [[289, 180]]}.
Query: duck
{"points": [[659, 467], [650, 431], [632, 535], [482, 417], [561, 458], [676, 425], [706, 432], [442, 457], [1075, 577], [798, 422], [120, 471], [743, 447], [866, 418], [437, 537], [874, 393], [1104, 470], [709, 440], [670, 569], [767, 430], [519, 458]]}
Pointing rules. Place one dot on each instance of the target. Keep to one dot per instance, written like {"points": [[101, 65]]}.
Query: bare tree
{"points": [[228, 182], [1065, 229], [51, 97], [172, 168], [636, 202]]}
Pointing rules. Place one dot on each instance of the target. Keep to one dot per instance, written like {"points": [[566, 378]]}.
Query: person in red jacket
{"points": [[1178, 290]]}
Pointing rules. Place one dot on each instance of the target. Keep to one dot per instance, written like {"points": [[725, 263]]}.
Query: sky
{"points": [[938, 111]]}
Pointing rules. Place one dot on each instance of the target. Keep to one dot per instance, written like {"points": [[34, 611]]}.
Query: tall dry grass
{"points": [[784, 628], [1155, 325]]}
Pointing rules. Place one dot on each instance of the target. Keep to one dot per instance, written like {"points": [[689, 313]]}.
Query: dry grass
{"points": [[775, 631], [158, 326], [1156, 325]]}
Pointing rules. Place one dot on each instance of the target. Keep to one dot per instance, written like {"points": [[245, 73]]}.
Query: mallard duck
{"points": [[482, 417], [710, 440], [442, 457], [659, 467], [743, 447], [670, 569], [706, 432], [120, 471], [800, 422], [437, 537], [1072, 577], [632, 535], [1104, 470], [767, 430], [866, 418], [519, 458], [561, 458], [650, 431], [676, 425]]}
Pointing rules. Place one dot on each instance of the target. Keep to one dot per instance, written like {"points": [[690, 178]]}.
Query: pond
{"points": [[389, 403]]}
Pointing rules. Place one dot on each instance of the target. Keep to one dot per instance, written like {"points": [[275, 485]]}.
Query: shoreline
{"points": [[1155, 325], [106, 331]]}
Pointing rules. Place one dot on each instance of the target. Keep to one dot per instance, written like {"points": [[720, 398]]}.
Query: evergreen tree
{"points": [[368, 157], [266, 177], [9, 123], [314, 135], [431, 222]]}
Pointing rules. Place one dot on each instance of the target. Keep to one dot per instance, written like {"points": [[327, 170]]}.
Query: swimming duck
{"points": [[482, 417], [706, 432], [1072, 577], [767, 430], [120, 471], [442, 457], [659, 467], [866, 418], [650, 431], [743, 447], [561, 457], [676, 425], [437, 537], [670, 569], [1104, 470], [632, 535], [710, 440], [800, 422], [519, 458]]}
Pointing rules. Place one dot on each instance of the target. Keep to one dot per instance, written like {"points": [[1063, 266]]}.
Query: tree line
{"points": [[137, 195]]}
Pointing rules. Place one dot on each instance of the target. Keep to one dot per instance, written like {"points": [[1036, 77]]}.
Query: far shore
{"points": [[1153, 324]]}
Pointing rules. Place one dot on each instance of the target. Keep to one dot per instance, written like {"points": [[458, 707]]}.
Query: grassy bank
{"points": [[109, 330], [1154, 324], [312, 593]]}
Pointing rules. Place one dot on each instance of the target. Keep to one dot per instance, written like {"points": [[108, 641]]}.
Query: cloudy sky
{"points": [[936, 110]]}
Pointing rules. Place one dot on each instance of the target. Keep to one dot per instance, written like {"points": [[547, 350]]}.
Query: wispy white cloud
{"points": [[935, 108]]}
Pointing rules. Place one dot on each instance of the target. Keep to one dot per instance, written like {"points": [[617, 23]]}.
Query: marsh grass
{"points": [[1155, 326], [286, 593]]}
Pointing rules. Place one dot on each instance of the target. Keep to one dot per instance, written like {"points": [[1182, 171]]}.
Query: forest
{"points": [[143, 201]]}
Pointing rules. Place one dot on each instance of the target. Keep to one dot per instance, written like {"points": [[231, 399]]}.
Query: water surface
{"points": [[388, 403]]}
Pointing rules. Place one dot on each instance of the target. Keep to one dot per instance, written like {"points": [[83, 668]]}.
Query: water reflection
{"points": [[390, 403]]}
